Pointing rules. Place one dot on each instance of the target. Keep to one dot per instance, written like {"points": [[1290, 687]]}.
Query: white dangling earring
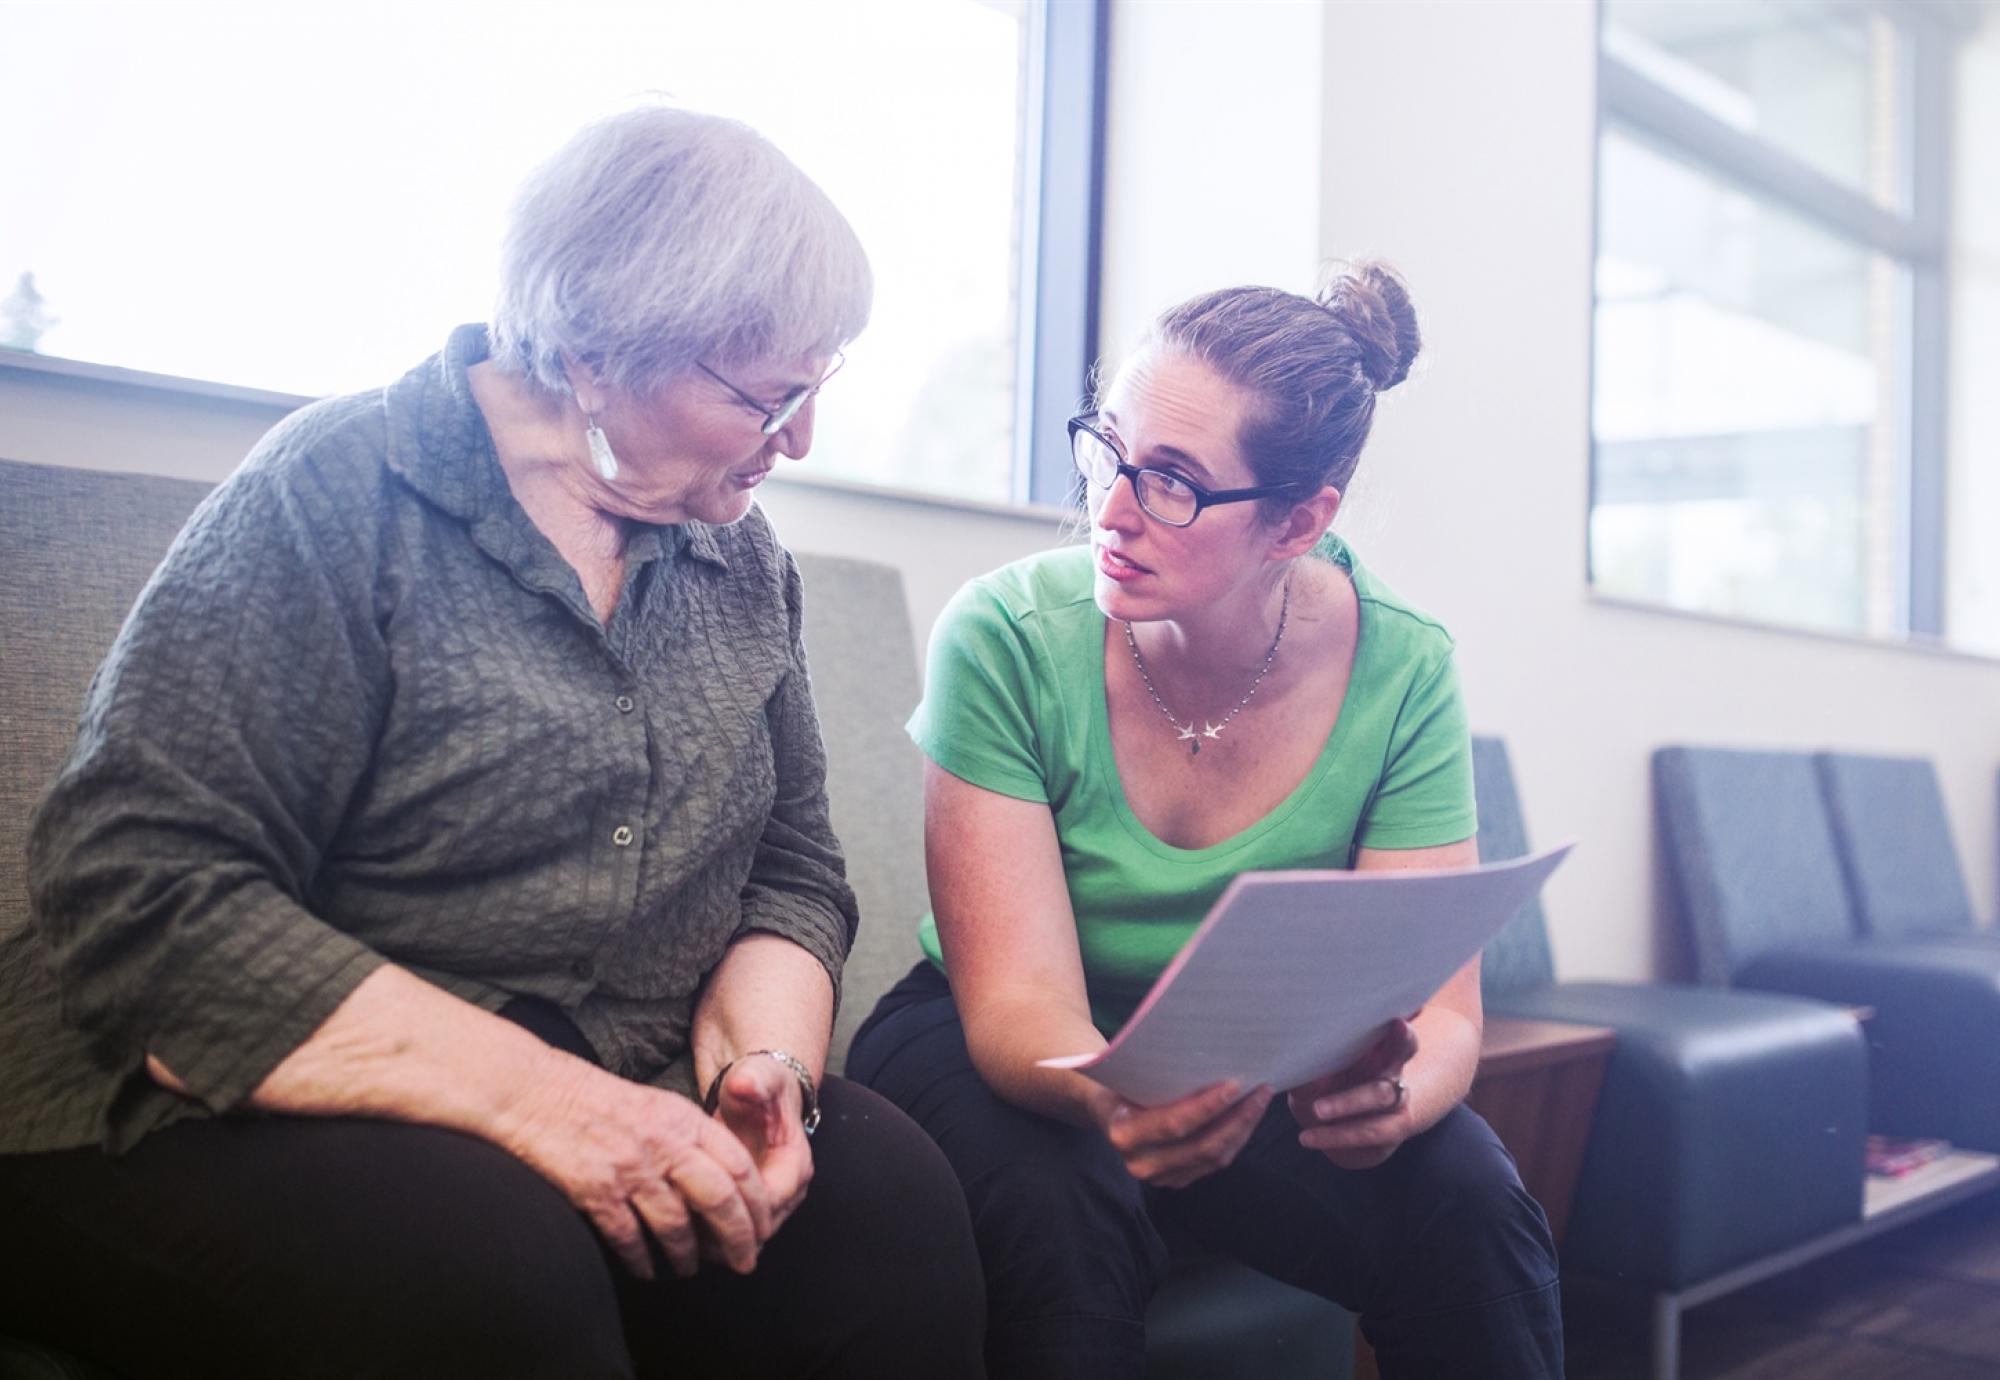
{"points": [[600, 450]]}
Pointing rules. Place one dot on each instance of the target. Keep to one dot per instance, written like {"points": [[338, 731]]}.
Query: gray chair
{"points": [[1757, 877], [1896, 851], [1730, 1124], [76, 547]]}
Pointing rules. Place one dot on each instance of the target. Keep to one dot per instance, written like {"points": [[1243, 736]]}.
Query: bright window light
{"points": [[306, 197]]}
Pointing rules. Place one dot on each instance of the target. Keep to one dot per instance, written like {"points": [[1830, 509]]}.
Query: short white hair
{"points": [[663, 236]]}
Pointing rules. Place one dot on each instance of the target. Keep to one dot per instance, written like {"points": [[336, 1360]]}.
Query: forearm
{"points": [[1008, 1037], [401, 1049], [1447, 1058], [767, 993]]}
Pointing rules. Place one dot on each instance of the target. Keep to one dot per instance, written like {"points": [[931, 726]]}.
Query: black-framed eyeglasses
{"points": [[1163, 494], [788, 406]]}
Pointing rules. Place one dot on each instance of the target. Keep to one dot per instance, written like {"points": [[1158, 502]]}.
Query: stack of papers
{"points": [[1293, 973]]}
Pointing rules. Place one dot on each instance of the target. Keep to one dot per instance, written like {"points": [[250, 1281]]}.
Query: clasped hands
{"points": [[641, 1163], [1356, 1116]]}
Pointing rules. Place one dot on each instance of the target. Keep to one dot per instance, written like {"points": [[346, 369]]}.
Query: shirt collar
{"points": [[439, 444]]}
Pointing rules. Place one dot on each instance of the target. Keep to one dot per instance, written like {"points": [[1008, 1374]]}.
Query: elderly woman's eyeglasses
{"points": [[788, 406], [1162, 493]]}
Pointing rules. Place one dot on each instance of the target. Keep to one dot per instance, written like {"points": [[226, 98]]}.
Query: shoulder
{"points": [[1412, 635], [1048, 588], [319, 471]]}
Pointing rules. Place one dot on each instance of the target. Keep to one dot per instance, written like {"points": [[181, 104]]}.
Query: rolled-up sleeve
{"points": [[798, 880], [220, 744]]}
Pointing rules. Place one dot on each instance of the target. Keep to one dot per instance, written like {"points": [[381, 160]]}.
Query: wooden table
{"points": [[1537, 1087]]}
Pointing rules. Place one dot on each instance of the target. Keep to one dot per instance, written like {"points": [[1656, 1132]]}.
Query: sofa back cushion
{"points": [[1518, 957], [1895, 843], [76, 547], [1750, 854], [865, 682]]}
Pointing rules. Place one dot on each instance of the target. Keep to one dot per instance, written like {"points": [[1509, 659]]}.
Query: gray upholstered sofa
{"points": [[75, 548]]}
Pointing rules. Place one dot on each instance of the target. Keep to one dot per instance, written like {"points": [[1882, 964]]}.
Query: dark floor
{"points": [[1919, 1303]]}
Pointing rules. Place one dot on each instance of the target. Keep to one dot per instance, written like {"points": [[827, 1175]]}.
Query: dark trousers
{"points": [[289, 1246], [1441, 1252]]}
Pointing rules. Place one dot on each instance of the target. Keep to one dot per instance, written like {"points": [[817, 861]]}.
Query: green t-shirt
{"points": [[1014, 702]]}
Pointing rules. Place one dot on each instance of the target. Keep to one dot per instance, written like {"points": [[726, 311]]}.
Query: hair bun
{"points": [[1373, 305]]}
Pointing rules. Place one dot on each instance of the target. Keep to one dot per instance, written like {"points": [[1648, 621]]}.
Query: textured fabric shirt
{"points": [[1014, 702], [364, 713]]}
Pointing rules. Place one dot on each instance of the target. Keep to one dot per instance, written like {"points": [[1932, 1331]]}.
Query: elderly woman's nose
{"points": [[795, 437]]}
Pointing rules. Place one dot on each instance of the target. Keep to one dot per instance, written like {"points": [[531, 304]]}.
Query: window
{"points": [[1768, 367], [307, 197]]}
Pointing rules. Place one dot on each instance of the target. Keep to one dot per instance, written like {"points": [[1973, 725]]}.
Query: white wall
{"points": [[1456, 140], [1459, 139]]}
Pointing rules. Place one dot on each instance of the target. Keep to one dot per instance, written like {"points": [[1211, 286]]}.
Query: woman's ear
{"points": [[1300, 530], [583, 385]]}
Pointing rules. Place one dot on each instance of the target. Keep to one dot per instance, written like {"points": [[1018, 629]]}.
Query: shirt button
{"points": [[583, 968], [624, 703], [622, 836]]}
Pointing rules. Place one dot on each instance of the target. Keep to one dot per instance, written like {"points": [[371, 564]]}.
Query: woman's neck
{"points": [[1210, 655], [539, 441]]}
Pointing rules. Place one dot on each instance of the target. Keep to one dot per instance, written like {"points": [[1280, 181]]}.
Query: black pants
{"points": [[1441, 1252], [291, 1246]]}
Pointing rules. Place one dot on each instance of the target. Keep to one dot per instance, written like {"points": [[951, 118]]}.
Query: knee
{"points": [[1467, 1216], [882, 1179], [1067, 1232]]}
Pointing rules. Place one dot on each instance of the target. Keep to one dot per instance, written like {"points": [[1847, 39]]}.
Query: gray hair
{"points": [[1312, 366], [663, 236]]}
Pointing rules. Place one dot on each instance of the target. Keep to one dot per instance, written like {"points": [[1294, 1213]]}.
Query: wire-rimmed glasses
{"points": [[788, 406]]}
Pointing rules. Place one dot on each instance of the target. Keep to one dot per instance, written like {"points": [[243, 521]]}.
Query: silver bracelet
{"points": [[808, 1094]]}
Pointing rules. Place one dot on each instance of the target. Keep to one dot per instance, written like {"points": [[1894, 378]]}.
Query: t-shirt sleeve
{"points": [[1424, 798], [978, 715]]}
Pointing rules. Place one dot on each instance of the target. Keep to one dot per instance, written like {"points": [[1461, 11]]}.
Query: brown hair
{"points": [[1313, 364]]}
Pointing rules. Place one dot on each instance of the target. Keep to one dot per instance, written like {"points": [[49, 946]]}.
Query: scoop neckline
{"points": [[1107, 757]]}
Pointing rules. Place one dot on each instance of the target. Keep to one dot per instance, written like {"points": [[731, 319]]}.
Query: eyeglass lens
{"points": [[1159, 493]]}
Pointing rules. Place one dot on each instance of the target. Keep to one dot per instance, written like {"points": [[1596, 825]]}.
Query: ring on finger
{"points": [[1402, 1091]]}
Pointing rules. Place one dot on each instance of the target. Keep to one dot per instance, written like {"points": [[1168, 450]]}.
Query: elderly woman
{"points": [[439, 902], [1213, 685]]}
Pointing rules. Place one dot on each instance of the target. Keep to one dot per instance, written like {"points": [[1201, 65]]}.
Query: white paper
{"points": [[1293, 973]]}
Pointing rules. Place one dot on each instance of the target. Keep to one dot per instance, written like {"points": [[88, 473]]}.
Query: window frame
{"points": [[1917, 241]]}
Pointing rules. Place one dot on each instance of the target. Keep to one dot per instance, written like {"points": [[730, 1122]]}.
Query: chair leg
{"points": [[1666, 1337]]}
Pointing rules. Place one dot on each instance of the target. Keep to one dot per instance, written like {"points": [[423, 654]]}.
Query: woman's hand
{"points": [[1174, 1145], [762, 1104], [1358, 1115], [637, 1161]]}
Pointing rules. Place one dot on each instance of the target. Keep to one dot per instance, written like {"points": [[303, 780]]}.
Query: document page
{"points": [[1292, 973]]}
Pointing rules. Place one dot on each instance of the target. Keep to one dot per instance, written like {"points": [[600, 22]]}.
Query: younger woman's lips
{"points": [[1118, 566]]}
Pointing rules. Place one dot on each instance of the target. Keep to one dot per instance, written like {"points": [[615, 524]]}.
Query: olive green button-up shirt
{"points": [[363, 713]]}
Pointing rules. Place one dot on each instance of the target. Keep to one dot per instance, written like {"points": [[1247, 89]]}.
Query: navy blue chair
{"points": [[1730, 1125], [1758, 879], [1896, 850]]}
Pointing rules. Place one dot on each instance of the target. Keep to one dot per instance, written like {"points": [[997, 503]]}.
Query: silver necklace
{"points": [[1186, 731]]}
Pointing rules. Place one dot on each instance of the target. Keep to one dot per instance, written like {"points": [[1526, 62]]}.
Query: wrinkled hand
{"points": [[1172, 1146], [762, 1104], [638, 1161], [1358, 1116]]}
